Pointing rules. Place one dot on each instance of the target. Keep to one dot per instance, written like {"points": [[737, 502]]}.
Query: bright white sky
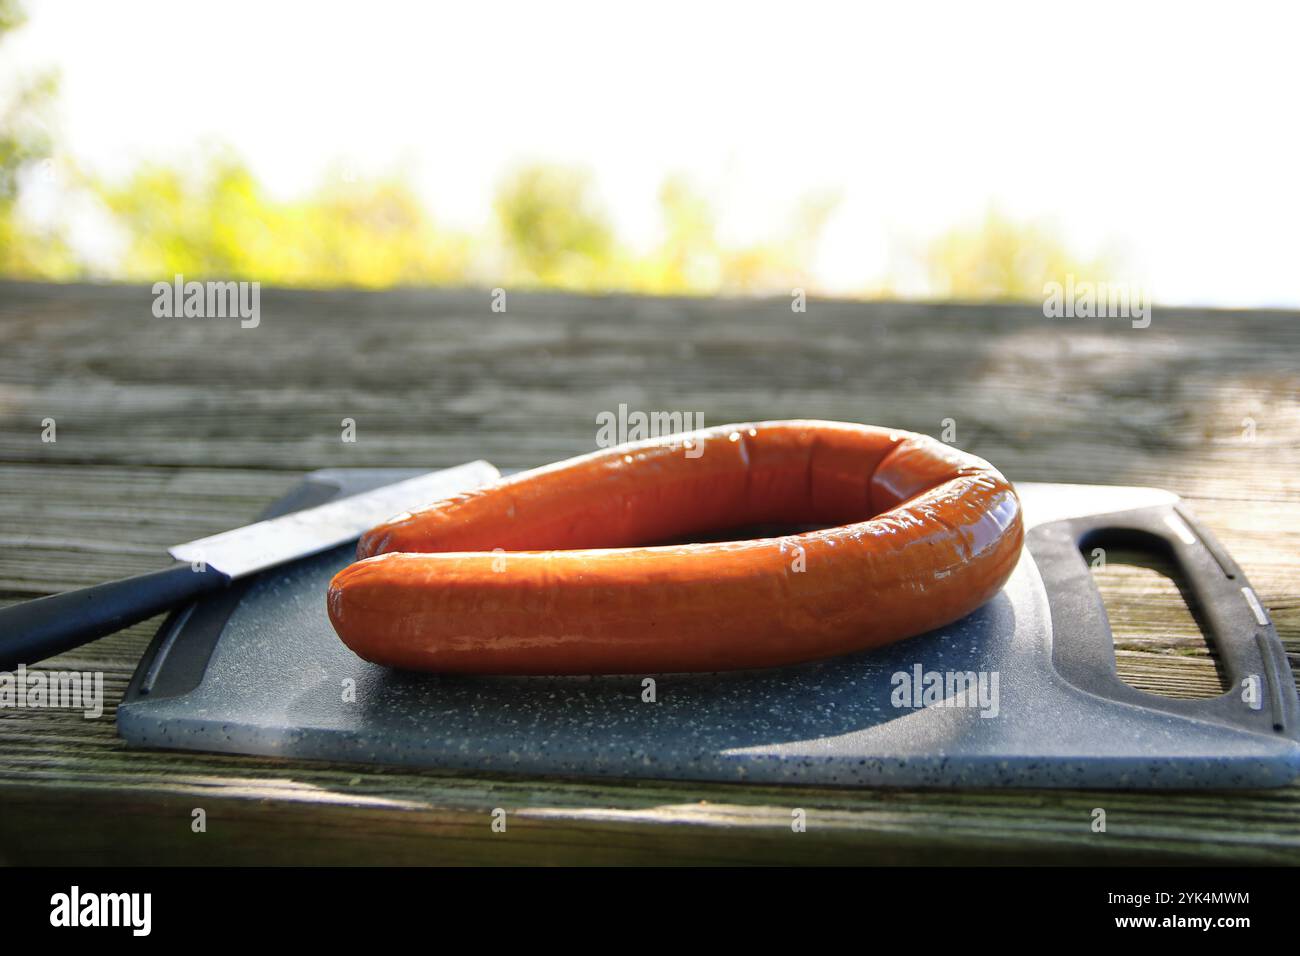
{"points": [[1166, 134]]}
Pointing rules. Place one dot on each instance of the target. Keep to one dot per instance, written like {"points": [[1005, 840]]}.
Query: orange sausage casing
{"points": [[546, 572]]}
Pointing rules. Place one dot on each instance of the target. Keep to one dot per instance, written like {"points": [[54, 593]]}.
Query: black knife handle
{"points": [[35, 630]]}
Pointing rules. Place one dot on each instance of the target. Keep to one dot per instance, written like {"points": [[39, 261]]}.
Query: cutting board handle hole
{"points": [[1162, 644]]}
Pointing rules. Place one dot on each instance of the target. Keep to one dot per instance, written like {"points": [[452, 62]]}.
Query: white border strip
{"points": [[1261, 616], [1179, 527]]}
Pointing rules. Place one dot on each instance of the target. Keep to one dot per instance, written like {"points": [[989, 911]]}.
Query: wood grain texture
{"points": [[172, 429]]}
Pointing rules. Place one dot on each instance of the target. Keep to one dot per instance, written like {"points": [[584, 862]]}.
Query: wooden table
{"points": [[169, 429]]}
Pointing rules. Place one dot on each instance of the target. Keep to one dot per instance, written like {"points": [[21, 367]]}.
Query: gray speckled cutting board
{"points": [[260, 671]]}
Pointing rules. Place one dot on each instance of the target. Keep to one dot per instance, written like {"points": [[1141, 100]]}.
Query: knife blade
{"points": [[34, 630], [265, 544]]}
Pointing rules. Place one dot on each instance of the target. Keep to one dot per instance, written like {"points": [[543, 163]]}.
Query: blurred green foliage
{"points": [[556, 235], [550, 232], [1001, 259], [25, 149], [554, 231], [218, 221], [213, 218], [691, 258]]}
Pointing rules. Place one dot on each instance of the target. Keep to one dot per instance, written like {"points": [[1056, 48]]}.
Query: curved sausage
{"points": [[543, 572]]}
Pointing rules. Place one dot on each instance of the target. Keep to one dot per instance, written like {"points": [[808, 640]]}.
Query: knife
{"points": [[35, 630]]}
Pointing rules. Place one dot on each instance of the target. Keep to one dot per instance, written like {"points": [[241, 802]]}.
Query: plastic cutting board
{"points": [[1023, 692]]}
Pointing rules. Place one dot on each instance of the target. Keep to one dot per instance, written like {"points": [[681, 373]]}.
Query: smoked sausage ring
{"points": [[545, 573]]}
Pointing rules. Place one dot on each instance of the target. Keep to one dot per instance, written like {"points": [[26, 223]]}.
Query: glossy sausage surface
{"points": [[546, 572]]}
